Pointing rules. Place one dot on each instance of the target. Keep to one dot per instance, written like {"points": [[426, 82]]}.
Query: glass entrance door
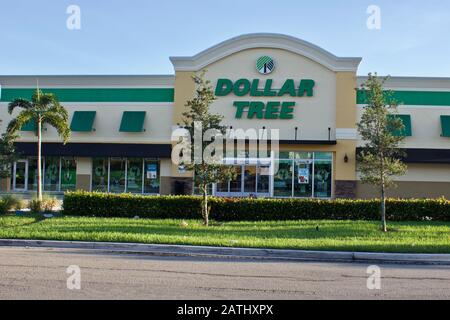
{"points": [[250, 180], [303, 179], [20, 178]]}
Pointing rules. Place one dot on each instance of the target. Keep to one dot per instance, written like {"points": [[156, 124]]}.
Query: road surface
{"points": [[42, 274]]}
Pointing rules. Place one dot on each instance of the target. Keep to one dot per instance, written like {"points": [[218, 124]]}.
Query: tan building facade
{"points": [[122, 125]]}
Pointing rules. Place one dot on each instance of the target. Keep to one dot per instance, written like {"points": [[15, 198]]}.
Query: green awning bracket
{"points": [[407, 131], [132, 121], [83, 121], [445, 122]]}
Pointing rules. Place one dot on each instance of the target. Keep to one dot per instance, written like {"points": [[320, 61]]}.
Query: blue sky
{"points": [[138, 36]]}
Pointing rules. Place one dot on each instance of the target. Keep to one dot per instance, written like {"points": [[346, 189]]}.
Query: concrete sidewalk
{"points": [[243, 253]]}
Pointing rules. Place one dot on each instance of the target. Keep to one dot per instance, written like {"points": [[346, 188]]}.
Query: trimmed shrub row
{"points": [[3, 206], [237, 209]]}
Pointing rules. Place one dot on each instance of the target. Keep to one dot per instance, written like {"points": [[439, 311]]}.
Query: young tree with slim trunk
{"points": [[43, 108], [381, 132], [199, 118]]}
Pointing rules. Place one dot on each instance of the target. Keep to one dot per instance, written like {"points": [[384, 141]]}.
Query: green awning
{"points": [[445, 122], [83, 121], [132, 121], [407, 131], [29, 126]]}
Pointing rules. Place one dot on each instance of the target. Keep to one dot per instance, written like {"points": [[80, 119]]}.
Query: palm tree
{"points": [[43, 108]]}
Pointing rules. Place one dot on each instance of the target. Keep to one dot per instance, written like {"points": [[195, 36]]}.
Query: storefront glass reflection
{"points": [[134, 175], [51, 175], [117, 175], [32, 174], [313, 175], [151, 177], [100, 174], [282, 181], [68, 174], [322, 179]]}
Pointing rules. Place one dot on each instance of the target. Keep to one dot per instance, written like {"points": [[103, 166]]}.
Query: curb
{"points": [[236, 253]]}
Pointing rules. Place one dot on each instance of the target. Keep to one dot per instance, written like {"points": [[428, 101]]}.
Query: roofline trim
{"points": [[413, 83], [265, 40]]}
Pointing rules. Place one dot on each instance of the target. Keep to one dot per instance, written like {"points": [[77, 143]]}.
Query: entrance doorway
{"points": [[250, 180]]}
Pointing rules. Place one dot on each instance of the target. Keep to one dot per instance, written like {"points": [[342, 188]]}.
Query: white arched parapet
{"points": [[265, 40]]}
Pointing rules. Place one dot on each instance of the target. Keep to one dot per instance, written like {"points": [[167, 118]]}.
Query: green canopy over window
{"points": [[83, 121], [445, 122], [407, 131], [132, 121], [29, 126]]}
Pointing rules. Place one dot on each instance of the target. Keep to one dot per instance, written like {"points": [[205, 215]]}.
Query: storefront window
{"points": [[32, 174], [323, 156], [51, 176], [222, 186], [68, 174], [322, 179], [285, 155], [100, 174], [263, 179], [117, 175], [250, 179], [302, 155], [151, 177], [134, 175], [236, 183], [282, 183], [197, 191]]}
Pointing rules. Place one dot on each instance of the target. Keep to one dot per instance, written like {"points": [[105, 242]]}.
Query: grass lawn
{"points": [[417, 237]]}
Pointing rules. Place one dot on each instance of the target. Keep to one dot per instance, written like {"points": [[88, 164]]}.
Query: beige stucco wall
{"points": [[84, 173], [420, 181], [346, 116], [166, 167], [417, 172], [346, 119], [313, 115], [407, 189], [427, 173], [184, 91], [107, 123], [84, 165], [426, 127]]}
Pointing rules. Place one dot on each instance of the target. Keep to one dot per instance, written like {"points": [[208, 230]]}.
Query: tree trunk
{"points": [[383, 208], [205, 211], [39, 160]]}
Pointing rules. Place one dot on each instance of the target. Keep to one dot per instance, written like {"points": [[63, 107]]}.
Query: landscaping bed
{"points": [[329, 235]]}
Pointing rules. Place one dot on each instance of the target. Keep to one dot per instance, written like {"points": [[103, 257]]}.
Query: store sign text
{"points": [[262, 110]]}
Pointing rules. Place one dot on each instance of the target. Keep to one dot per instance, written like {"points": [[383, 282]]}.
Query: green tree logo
{"points": [[265, 65]]}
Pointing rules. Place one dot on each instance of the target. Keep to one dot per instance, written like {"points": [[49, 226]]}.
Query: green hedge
{"points": [[224, 209], [3, 206]]}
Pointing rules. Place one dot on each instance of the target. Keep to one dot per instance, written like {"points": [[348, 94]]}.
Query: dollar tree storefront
{"points": [[274, 82], [265, 83]]}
